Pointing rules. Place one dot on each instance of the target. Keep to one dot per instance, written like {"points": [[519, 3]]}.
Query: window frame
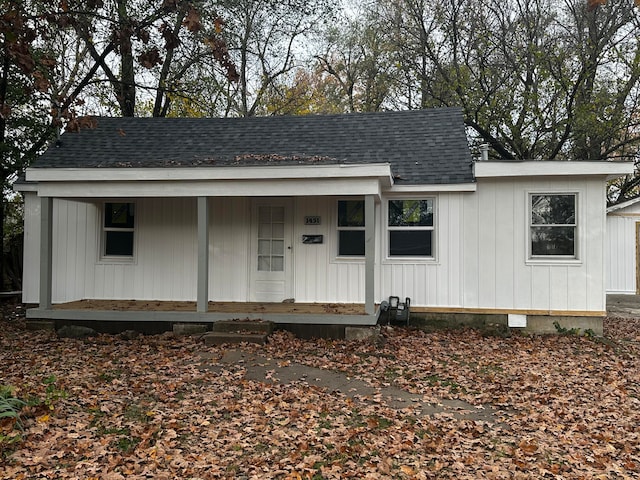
{"points": [[104, 229], [339, 229], [551, 258], [432, 228]]}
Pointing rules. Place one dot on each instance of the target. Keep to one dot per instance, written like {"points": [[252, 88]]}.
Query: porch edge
{"points": [[198, 317]]}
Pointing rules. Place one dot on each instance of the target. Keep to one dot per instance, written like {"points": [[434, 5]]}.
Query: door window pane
{"points": [[264, 214], [277, 230], [271, 239], [277, 247], [264, 230], [264, 247], [277, 214], [264, 263], [277, 264]]}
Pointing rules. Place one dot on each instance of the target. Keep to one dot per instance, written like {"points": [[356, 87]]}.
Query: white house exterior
{"points": [[623, 235], [522, 239]]}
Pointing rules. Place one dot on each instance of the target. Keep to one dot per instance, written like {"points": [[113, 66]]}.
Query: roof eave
{"points": [[497, 169], [279, 172], [433, 188]]}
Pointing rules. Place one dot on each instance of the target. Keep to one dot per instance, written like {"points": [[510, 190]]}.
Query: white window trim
{"points": [[335, 234], [576, 258], [433, 258], [102, 240]]}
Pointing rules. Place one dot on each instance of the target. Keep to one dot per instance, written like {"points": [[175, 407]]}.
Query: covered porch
{"points": [[265, 184]]}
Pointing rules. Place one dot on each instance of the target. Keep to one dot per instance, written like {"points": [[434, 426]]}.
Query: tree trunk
{"points": [[126, 90]]}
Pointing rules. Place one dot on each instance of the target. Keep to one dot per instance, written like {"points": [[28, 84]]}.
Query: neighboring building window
{"points": [[553, 225], [118, 229], [410, 226], [351, 228]]}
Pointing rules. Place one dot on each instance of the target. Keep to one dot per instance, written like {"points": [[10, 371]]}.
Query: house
{"points": [[623, 247], [328, 210]]}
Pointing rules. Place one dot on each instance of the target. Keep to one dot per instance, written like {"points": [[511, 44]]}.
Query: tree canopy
{"points": [[537, 79]]}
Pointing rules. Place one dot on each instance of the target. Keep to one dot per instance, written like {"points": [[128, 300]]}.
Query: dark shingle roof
{"points": [[422, 146]]}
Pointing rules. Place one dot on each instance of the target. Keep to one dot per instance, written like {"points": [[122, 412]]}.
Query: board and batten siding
{"points": [[498, 273], [164, 265], [480, 245], [622, 262], [429, 282]]}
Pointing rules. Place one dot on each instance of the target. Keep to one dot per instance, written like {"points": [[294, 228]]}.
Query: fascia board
{"points": [[492, 169], [381, 170], [25, 187], [212, 188], [620, 206], [454, 187]]}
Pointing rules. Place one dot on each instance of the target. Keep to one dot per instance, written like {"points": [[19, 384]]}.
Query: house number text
{"points": [[312, 220]]}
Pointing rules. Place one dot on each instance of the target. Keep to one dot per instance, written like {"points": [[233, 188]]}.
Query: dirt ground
{"points": [[417, 405]]}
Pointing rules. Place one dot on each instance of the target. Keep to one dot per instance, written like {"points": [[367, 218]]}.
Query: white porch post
{"points": [[369, 254], [46, 240], [203, 254]]}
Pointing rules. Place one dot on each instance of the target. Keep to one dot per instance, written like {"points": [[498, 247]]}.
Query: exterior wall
{"points": [[79, 273], [480, 253], [430, 282], [164, 267], [229, 240], [319, 276], [621, 250], [498, 273]]}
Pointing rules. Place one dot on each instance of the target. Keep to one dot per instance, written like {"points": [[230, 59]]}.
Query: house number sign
{"points": [[312, 220]]}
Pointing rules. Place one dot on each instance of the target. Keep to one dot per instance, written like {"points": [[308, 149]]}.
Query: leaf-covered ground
{"points": [[154, 407]]}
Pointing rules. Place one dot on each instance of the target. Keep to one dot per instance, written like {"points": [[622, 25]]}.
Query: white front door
{"points": [[271, 250]]}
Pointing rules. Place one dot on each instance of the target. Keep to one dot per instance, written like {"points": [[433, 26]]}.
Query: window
{"points": [[351, 228], [553, 225], [118, 229], [270, 238], [410, 225]]}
